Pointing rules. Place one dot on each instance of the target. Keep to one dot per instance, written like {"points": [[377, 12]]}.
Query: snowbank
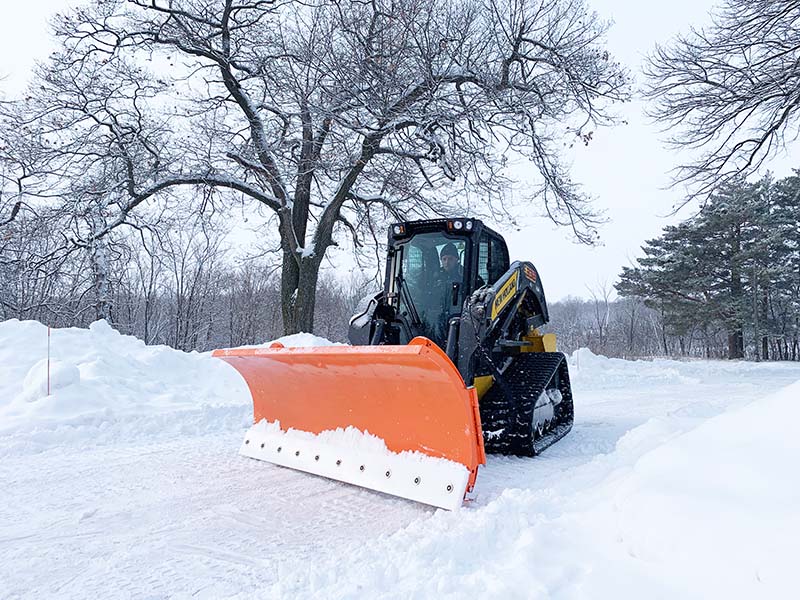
{"points": [[603, 372], [100, 372], [105, 385]]}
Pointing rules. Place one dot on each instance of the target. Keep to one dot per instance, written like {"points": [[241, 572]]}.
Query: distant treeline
{"points": [[178, 287], [724, 284]]}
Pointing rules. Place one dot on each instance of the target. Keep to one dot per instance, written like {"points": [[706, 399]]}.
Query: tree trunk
{"points": [[765, 318], [735, 335], [735, 344], [631, 331], [299, 293], [756, 332]]}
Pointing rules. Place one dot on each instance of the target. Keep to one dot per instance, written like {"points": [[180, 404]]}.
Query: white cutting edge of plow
{"points": [[412, 475]]}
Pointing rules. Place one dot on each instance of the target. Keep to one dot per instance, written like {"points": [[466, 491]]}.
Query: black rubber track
{"points": [[507, 423]]}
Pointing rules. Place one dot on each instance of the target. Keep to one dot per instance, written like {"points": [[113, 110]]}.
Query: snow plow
{"points": [[446, 363], [410, 397]]}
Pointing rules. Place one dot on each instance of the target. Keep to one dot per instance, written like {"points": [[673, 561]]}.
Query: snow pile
{"points": [[100, 372], [46, 376], [348, 438], [603, 372], [105, 385], [719, 503], [610, 372], [297, 340]]}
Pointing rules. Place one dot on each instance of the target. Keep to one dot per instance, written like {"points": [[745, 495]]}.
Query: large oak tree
{"points": [[330, 115]]}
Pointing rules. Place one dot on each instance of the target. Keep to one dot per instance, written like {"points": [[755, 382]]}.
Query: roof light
{"points": [[468, 225], [458, 224], [399, 229]]}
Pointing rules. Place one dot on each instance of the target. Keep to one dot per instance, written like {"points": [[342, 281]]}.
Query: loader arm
{"points": [[502, 317]]}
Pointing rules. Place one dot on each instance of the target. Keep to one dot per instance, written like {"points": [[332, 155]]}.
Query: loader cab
{"points": [[433, 266]]}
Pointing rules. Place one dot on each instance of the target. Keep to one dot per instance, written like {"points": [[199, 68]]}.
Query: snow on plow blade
{"points": [[410, 397]]}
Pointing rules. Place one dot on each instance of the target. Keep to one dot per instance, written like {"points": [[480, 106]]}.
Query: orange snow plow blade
{"points": [[411, 397]]}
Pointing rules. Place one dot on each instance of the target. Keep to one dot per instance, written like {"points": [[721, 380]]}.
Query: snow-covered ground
{"points": [[679, 480]]}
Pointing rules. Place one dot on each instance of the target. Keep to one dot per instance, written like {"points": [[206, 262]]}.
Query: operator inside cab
{"points": [[434, 281], [450, 282], [446, 294], [451, 264]]}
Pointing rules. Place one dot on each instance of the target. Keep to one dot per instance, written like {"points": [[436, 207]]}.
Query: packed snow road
{"points": [[678, 480]]}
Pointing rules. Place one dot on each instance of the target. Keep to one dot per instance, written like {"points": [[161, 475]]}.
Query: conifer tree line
{"points": [[727, 281]]}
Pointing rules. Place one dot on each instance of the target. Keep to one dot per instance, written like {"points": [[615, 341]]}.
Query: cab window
{"points": [[498, 260], [492, 259]]}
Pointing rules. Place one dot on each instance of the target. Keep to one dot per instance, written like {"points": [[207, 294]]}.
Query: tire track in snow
{"points": [[174, 517]]}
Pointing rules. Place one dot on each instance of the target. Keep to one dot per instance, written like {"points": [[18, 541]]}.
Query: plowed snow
{"points": [[677, 481]]}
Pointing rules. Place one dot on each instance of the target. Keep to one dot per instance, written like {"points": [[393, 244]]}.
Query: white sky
{"points": [[624, 168]]}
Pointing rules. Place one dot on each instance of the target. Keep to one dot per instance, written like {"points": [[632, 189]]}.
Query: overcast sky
{"points": [[624, 168]]}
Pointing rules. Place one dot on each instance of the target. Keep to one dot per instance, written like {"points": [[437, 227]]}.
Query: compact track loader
{"points": [[446, 363]]}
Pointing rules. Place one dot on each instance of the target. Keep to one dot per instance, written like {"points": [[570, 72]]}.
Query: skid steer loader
{"points": [[446, 363]]}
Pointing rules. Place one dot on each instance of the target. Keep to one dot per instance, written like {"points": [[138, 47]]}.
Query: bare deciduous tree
{"points": [[601, 297], [330, 115], [731, 91]]}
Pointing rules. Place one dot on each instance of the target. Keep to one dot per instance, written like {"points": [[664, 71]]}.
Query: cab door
{"points": [[492, 259]]}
